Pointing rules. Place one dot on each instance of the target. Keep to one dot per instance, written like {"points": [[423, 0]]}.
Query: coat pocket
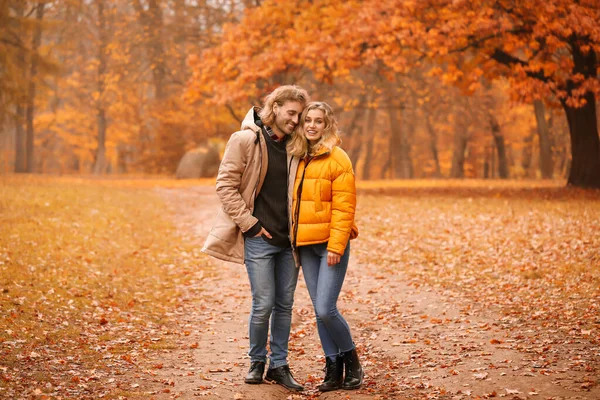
{"points": [[317, 195]]}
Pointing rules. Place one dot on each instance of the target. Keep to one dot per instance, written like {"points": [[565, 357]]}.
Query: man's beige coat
{"points": [[240, 178]]}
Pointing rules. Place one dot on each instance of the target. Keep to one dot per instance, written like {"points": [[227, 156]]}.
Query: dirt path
{"points": [[415, 342]]}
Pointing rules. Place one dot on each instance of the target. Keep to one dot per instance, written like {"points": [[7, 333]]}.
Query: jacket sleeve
{"points": [[229, 180], [343, 206]]}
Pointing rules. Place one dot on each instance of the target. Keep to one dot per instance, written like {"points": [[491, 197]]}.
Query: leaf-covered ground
{"points": [[456, 290], [511, 276], [90, 272]]}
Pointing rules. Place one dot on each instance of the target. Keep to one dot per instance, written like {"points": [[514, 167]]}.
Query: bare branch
{"points": [[232, 112]]}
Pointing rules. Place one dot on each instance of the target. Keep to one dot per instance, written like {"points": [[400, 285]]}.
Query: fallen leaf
{"points": [[481, 375], [215, 370]]}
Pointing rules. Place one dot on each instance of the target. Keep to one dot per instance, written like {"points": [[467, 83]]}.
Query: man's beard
{"points": [[283, 127]]}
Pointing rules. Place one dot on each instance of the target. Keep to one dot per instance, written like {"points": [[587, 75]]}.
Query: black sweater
{"points": [[270, 206]]}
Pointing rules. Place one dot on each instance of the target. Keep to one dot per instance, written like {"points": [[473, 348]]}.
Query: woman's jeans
{"points": [[324, 284], [273, 276]]}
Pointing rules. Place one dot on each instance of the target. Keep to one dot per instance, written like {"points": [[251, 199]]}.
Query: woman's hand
{"points": [[333, 258]]}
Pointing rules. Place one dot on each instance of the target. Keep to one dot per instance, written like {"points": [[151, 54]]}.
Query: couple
{"points": [[288, 199]]}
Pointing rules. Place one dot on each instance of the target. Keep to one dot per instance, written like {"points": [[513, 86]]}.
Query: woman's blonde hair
{"points": [[298, 145], [279, 96]]}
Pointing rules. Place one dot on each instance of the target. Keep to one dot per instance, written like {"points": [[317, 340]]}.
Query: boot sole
{"points": [[281, 384], [253, 382], [329, 389], [354, 387]]}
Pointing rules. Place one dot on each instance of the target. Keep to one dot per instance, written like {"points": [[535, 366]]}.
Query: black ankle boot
{"points": [[354, 372], [334, 374], [283, 376], [255, 373]]}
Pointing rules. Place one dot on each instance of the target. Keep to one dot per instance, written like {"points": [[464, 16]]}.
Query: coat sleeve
{"points": [[229, 180], [343, 206]]}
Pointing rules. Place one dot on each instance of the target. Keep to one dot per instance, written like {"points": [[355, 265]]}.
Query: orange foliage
{"points": [[330, 38]]}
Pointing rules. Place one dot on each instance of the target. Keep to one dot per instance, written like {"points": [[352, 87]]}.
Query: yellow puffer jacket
{"points": [[327, 192]]}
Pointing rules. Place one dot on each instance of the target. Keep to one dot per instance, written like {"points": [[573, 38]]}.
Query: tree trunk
{"points": [[31, 92], [159, 70], [501, 151], [354, 128], [458, 154], [500, 147], [486, 163], [563, 159], [6, 144], [180, 39], [527, 155], [405, 140], [546, 162], [386, 167], [583, 125], [585, 145], [398, 153], [122, 159], [433, 147], [395, 143], [370, 137], [152, 22], [20, 139], [100, 157]]}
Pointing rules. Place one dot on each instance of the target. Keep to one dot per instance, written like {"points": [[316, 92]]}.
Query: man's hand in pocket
{"points": [[263, 231]]}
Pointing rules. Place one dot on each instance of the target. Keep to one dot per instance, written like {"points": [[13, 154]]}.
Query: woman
{"points": [[324, 200]]}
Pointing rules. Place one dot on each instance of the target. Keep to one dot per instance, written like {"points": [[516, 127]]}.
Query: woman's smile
{"points": [[314, 125]]}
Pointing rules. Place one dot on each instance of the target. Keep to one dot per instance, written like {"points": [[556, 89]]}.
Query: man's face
{"points": [[286, 117]]}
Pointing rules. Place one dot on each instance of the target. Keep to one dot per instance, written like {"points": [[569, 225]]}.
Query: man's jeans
{"points": [[273, 276], [324, 284]]}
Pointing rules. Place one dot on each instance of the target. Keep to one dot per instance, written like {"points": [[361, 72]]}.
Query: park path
{"points": [[415, 341]]}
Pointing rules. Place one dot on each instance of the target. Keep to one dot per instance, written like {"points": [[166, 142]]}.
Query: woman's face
{"points": [[314, 125]]}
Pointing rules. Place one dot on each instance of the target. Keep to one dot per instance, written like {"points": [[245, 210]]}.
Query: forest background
{"points": [[423, 89], [473, 288]]}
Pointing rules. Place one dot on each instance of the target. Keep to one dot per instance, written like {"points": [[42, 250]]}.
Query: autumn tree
{"points": [[32, 83], [142, 81], [547, 50], [21, 65], [14, 80], [543, 131], [102, 44]]}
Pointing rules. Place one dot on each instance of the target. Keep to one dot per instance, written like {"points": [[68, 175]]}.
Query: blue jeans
{"points": [[324, 284], [273, 276]]}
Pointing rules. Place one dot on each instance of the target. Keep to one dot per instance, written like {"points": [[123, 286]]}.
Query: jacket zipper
{"points": [[297, 210], [260, 156], [299, 194], [287, 196]]}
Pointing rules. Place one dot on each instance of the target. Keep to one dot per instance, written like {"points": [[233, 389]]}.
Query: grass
{"points": [[88, 270]]}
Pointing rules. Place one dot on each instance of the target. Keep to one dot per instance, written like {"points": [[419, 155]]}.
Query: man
{"points": [[253, 226]]}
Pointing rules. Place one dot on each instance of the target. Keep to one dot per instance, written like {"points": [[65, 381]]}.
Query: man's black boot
{"points": [[334, 374], [354, 373], [255, 373], [283, 376]]}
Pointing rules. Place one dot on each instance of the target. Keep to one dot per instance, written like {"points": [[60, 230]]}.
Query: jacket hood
{"points": [[252, 120], [326, 146]]}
